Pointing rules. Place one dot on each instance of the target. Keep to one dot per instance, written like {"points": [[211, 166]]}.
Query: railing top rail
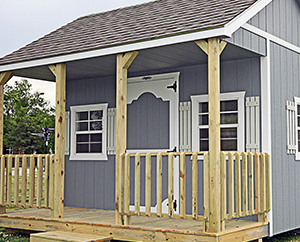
{"points": [[164, 153], [27, 155]]}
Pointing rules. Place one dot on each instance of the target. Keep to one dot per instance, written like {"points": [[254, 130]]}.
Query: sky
{"points": [[23, 21]]}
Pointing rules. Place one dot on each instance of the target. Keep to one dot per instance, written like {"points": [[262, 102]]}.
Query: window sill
{"points": [[90, 157]]}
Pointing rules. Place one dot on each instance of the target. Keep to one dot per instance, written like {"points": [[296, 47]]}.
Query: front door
{"points": [[152, 125]]}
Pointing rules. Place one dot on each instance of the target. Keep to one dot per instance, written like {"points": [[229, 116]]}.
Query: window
{"points": [[231, 122], [88, 132]]}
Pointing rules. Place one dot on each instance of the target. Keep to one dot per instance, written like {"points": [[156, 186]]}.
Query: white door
{"points": [[152, 124]]}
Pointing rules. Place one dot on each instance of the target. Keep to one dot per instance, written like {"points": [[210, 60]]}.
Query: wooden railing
{"points": [[27, 181], [245, 185]]}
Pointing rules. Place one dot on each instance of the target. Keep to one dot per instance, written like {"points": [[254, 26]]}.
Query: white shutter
{"points": [[185, 126], [111, 131], [67, 133], [290, 126], [252, 124]]}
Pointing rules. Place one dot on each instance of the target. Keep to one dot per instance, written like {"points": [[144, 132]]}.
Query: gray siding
{"points": [[280, 18], [249, 41], [285, 77], [91, 183]]}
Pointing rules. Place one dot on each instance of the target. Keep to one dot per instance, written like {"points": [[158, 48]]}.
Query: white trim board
{"points": [[119, 49], [271, 37], [241, 19]]}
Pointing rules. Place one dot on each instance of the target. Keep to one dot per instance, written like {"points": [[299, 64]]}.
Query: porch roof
{"points": [[150, 21]]}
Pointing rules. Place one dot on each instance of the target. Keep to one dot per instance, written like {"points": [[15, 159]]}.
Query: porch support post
{"points": [[59, 72], [213, 48], [4, 78], [123, 63]]}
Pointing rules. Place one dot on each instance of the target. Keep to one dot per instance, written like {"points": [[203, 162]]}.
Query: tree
{"points": [[26, 112]]}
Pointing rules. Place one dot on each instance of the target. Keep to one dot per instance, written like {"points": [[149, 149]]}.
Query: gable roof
{"points": [[148, 21]]}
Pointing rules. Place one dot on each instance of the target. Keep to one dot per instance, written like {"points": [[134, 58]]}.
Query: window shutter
{"points": [[252, 124], [111, 131], [185, 126], [290, 125], [67, 133]]}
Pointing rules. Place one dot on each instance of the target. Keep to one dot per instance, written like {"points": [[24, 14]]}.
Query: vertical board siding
{"points": [[250, 41], [91, 184], [285, 169], [280, 18]]}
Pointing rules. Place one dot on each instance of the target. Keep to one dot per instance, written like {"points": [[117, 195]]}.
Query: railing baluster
{"points": [[238, 184], [121, 184], [9, 179], [16, 188], [148, 184], [31, 180], [2, 174], [230, 186], [182, 185], [195, 186], [251, 187], [206, 190], [223, 189], [46, 186], [39, 185], [24, 181], [257, 183], [262, 184], [127, 184], [137, 185], [245, 184], [268, 182], [170, 184], [51, 184], [159, 184]]}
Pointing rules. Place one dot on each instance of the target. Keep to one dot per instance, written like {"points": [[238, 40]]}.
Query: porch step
{"points": [[67, 236]]}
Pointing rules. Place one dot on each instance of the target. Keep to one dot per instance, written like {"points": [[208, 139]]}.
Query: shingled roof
{"points": [[152, 20]]}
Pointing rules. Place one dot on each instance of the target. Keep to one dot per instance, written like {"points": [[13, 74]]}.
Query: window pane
{"points": [[203, 107], [228, 132], [298, 109], [229, 105], [229, 145], [203, 133], [203, 119], [96, 115], [298, 121], [96, 148], [229, 118], [82, 126], [96, 125], [81, 116], [82, 138], [82, 148], [203, 145], [96, 137]]}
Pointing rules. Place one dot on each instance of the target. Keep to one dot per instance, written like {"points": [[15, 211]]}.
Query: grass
{"points": [[285, 237], [13, 237]]}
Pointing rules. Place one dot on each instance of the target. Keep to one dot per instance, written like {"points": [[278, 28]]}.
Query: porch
{"points": [[101, 222]]}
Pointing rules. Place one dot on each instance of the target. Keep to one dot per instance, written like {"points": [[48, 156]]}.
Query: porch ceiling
{"points": [[172, 56]]}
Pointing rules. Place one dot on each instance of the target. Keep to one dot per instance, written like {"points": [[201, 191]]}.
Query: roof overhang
{"points": [[222, 32]]}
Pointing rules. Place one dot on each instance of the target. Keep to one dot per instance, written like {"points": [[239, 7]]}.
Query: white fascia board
{"points": [[218, 32], [241, 19], [271, 37]]}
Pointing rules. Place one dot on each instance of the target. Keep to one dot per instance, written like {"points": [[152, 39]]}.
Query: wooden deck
{"points": [[94, 221]]}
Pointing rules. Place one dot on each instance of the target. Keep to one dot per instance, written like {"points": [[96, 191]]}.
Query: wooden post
{"points": [[123, 63], [59, 72], [213, 48], [4, 78]]}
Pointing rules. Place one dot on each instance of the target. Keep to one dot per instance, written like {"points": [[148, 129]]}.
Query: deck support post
{"points": [[123, 63], [213, 48], [4, 78], [59, 72]]}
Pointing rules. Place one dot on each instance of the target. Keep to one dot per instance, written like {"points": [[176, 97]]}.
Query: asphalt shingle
{"points": [[157, 19]]}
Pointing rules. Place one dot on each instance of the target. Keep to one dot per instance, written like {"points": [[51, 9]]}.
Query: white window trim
{"points": [[297, 102], [240, 96], [88, 156]]}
